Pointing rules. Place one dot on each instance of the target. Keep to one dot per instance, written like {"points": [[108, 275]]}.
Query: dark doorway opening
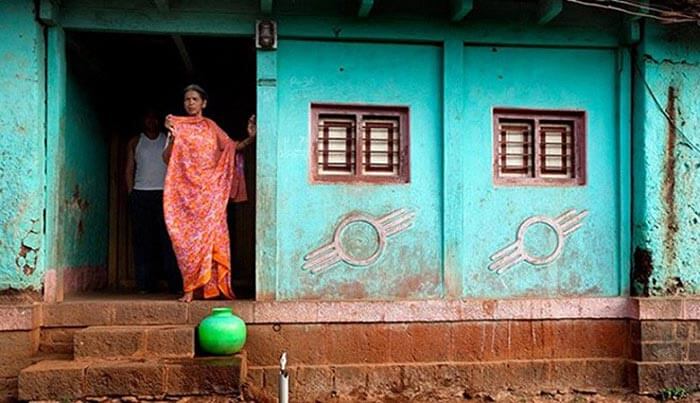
{"points": [[120, 76]]}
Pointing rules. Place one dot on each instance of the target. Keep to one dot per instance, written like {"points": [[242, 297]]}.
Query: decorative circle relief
{"points": [[359, 240], [514, 253]]}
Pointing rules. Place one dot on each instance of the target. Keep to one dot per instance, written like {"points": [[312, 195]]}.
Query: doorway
{"points": [[112, 80]]}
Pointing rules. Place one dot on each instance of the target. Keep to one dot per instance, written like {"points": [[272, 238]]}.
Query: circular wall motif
{"points": [[358, 252], [359, 239], [563, 226], [541, 260]]}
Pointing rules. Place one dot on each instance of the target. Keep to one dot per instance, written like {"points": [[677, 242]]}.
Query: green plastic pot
{"points": [[222, 332]]}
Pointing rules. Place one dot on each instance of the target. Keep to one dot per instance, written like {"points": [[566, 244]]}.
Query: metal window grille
{"points": [[540, 148], [352, 143]]}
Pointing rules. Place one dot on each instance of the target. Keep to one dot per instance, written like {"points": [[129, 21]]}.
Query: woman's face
{"points": [[194, 104]]}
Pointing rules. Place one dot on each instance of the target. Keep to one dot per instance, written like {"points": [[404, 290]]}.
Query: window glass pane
{"points": [[515, 157], [381, 146], [336, 145], [557, 149]]}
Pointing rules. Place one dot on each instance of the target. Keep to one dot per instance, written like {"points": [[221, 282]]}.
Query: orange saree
{"points": [[200, 179]]}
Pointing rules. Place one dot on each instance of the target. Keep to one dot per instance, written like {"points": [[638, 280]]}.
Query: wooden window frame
{"points": [[578, 121], [360, 113]]}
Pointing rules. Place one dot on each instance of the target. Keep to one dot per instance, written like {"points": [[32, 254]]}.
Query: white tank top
{"points": [[150, 168]]}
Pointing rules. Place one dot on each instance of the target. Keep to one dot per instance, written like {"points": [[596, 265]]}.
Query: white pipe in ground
{"points": [[284, 380]]}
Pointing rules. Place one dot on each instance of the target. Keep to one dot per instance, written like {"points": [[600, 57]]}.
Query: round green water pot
{"points": [[222, 332]]}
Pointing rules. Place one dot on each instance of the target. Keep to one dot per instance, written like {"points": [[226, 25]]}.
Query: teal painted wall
{"points": [[541, 78], [572, 79], [22, 177], [377, 74], [82, 198], [667, 162], [461, 217]]}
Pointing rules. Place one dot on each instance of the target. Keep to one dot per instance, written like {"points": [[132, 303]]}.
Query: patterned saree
{"points": [[201, 178]]}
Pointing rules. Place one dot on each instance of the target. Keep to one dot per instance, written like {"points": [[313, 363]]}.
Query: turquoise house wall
{"points": [[384, 60], [307, 214], [666, 162], [549, 79], [22, 177], [571, 79]]}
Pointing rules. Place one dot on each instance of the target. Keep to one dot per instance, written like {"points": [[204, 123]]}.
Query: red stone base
{"points": [[322, 382], [366, 348]]}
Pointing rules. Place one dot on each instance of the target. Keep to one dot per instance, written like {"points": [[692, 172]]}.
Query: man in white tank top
{"points": [[145, 175]]}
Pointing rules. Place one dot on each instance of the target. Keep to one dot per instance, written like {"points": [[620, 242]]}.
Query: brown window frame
{"points": [[362, 144], [539, 118]]}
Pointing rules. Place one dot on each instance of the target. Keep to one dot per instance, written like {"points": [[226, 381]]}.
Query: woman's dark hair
{"points": [[198, 89]]}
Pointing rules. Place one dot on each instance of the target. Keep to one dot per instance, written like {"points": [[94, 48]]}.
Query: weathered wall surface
{"points": [[22, 175], [560, 79], [397, 66], [82, 232], [410, 266], [666, 164]]}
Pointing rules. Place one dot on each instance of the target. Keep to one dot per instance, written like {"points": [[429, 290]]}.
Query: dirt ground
{"points": [[455, 396], [505, 397], [252, 395]]}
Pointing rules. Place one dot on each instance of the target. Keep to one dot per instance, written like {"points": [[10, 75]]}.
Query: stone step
{"points": [[123, 342], [78, 379], [103, 312]]}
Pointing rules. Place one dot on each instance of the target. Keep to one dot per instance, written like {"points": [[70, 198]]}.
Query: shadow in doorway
{"points": [[120, 76]]}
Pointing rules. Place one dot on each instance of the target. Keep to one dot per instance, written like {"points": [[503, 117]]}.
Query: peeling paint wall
{"points": [[667, 162], [22, 177]]}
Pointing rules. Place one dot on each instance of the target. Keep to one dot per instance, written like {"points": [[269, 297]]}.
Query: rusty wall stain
{"points": [[669, 184]]}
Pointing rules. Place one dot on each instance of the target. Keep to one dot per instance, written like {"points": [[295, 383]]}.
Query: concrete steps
{"points": [[136, 360]]}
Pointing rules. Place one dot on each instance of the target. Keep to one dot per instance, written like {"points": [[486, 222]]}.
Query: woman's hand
{"points": [[252, 131], [252, 126], [169, 124]]}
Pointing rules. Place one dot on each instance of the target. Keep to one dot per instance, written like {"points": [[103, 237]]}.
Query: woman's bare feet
{"points": [[187, 297]]}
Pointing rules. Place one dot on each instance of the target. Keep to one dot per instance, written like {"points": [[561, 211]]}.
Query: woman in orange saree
{"points": [[200, 180]]}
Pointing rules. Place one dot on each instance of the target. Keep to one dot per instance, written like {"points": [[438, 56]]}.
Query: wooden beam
{"points": [[184, 54], [547, 10], [162, 5], [309, 27], [48, 11], [365, 8], [266, 6], [460, 8]]}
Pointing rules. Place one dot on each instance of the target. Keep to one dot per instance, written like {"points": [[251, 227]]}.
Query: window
{"points": [[359, 144], [544, 148]]}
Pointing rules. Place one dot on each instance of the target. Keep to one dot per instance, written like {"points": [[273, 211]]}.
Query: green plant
{"points": [[675, 393]]}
